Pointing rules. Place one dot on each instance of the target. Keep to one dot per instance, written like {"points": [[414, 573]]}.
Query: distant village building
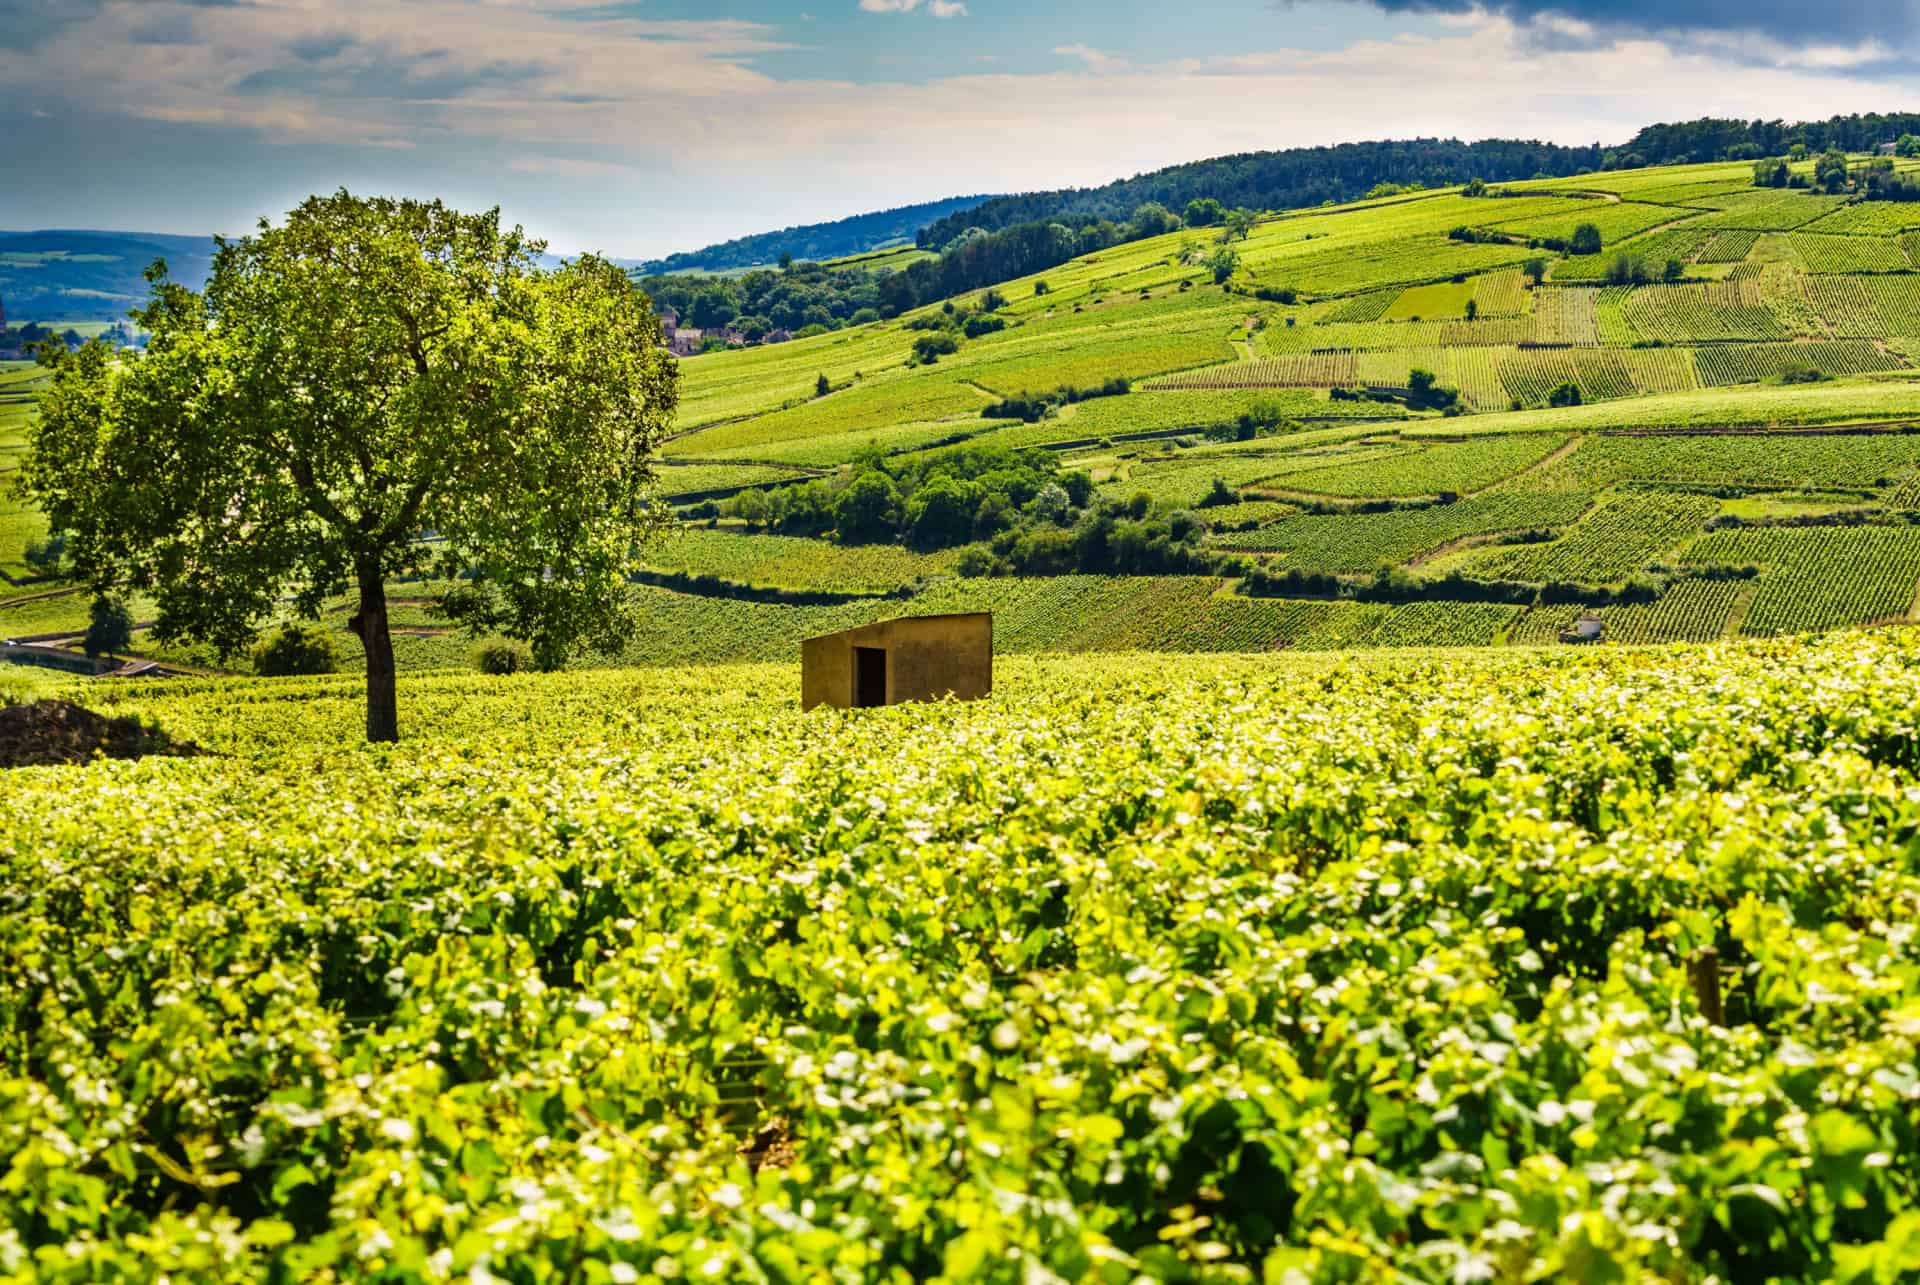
{"points": [[891, 662], [781, 336], [669, 320], [736, 338], [1889, 149], [685, 343], [1589, 628]]}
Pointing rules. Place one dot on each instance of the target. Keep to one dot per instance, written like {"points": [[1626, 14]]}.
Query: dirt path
{"points": [[33, 597]]}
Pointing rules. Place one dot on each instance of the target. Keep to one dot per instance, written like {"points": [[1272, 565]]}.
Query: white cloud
{"points": [[1097, 59], [641, 137], [938, 8]]}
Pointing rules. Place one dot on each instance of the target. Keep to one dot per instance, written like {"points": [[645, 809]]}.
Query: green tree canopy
{"points": [[367, 375], [1830, 171]]}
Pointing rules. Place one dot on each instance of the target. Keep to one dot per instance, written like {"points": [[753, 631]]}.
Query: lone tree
{"points": [[375, 388]]}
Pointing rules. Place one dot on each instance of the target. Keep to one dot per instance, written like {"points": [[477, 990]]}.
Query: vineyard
{"points": [[1729, 310], [1821, 577], [1362, 542], [1619, 538], [1693, 610], [789, 562], [1721, 364], [1006, 990], [1790, 311], [1861, 462], [1429, 470]]}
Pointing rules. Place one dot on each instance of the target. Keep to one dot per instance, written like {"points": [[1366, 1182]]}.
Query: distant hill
{"points": [[857, 235], [1303, 176], [90, 276], [1282, 180]]}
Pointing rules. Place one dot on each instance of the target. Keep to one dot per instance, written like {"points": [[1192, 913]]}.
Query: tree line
{"points": [[1300, 177], [1277, 180]]}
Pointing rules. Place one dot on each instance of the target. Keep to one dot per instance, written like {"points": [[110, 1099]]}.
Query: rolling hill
{"points": [[860, 234], [68, 276]]}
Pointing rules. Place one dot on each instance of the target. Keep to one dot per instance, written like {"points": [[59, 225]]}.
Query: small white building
{"points": [[1589, 628]]}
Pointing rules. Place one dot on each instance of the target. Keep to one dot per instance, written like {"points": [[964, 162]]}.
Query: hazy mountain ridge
{"points": [[86, 275], [857, 234]]}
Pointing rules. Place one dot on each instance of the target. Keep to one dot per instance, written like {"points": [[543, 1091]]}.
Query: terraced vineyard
{"points": [[1362, 542], [1692, 610]]}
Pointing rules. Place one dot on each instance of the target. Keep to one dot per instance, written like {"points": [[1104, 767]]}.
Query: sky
{"points": [[640, 127]]}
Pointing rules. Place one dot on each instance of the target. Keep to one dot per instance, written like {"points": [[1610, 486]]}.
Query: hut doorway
{"points": [[869, 677]]}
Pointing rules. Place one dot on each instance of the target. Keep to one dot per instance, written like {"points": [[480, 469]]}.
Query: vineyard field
{"points": [[1729, 310], [1461, 468], [1690, 611], [1617, 539], [790, 562], [1722, 364], [1820, 577], [1040, 970], [1759, 462], [1357, 543], [1829, 254]]}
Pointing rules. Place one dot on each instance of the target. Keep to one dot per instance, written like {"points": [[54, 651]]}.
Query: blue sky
{"points": [[639, 127]]}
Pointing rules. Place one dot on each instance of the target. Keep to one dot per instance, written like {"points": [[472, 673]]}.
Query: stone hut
{"points": [[891, 662], [1589, 628]]}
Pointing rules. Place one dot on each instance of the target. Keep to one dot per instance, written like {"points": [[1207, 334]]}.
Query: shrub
{"points": [[928, 349], [502, 656], [1564, 395], [109, 628], [1627, 270], [297, 650]]}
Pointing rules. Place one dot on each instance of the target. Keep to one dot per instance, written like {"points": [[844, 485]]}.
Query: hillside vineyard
{"points": [[1704, 429], [1691, 416]]}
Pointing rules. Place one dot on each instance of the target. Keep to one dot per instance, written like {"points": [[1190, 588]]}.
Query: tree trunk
{"points": [[370, 625]]}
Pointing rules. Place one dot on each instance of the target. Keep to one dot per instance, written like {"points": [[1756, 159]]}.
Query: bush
{"points": [[297, 650], [1586, 240], [928, 349], [1628, 270], [502, 656], [109, 628]]}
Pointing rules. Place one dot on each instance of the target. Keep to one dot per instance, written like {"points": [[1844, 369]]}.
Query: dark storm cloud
{"points": [[1892, 22]]}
